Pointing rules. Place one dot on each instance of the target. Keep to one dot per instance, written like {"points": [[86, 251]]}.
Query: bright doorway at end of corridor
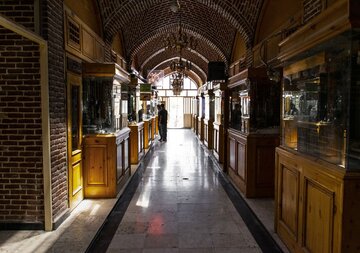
{"points": [[176, 112]]}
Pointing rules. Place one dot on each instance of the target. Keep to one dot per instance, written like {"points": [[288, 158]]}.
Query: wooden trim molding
{"points": [[331, 22]]}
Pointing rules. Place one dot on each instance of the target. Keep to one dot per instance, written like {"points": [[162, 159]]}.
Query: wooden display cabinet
{"points": [[317, 192], [153, 127], [253, 132], [106, 135], [195, 115], [156, 125], [209, 116], [219, 129], [201, 116], [136, 142], [107, 163], [147, 133]]}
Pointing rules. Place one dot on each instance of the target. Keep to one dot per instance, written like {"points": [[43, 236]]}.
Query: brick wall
{"points": [[21, 188], [52, 25], [21, 197], [21, 11]]}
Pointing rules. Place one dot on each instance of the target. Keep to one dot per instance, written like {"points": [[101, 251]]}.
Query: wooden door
{"points": [[74, 128]]}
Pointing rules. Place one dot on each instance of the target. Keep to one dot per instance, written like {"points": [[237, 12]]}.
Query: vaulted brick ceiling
{"points": [[143, 25]]}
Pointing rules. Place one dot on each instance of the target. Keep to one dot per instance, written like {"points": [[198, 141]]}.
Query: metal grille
{"points": [[74, 32], [312, 8]]}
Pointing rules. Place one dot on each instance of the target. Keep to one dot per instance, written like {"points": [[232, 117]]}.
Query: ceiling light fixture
{"points": [[179, 41]]}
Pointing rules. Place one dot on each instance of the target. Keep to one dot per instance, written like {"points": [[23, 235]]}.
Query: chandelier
{"points": [[177, 42], [179, 68], [177, 82], [180, 65]]}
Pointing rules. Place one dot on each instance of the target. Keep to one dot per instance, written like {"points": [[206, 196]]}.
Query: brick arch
{"points": [[163, 50], [165, 55], [191, 74], [240, 14], [196, 69], [202, 50], [221, 35]]}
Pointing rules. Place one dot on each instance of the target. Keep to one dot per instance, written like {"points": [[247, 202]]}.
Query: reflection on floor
{"points": [[178, 206], [74, 235]]}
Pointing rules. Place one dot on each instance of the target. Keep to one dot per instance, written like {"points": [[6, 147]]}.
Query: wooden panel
{"points": [[289, 200], [100, 166], [99, 51], [241, 161], [318, 218], [327, 204], [134, 144], [265, 160], [119, 161], [96, 165], [187, 120], [146, 134], [88, 44], [350, 210], [77, 178], [232, 153]]}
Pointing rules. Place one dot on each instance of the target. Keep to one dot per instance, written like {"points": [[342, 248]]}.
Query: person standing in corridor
{"points": [[158, 122], [163, 115]]}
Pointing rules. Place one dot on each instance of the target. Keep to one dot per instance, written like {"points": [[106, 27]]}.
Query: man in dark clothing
{"points": [[159, 125], [163, 114]]}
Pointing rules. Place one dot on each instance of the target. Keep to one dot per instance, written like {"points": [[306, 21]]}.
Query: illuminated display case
{"points": [[253, 134], [219, 116], [253, 104], [201, 113], [320, 107], [317, 164], [105, 103], [209, 108], [106, 140]]}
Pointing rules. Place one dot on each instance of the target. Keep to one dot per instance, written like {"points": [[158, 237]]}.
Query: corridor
{"points": [[179, 205], [176, 201]]}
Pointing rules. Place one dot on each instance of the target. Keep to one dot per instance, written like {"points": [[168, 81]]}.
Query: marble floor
{"points": [[177, 205]]}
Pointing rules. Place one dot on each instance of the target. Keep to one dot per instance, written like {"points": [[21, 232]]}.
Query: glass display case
{"points": [[253, 105], [202, 106], [320, 107], [106, 140], [105, 103], [253, 134], [218, 107], [209, 106], [99, 105]]}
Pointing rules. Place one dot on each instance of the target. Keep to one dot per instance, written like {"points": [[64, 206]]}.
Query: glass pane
{"points": [[192, 93], [193, 86], [316, 103], [235, 109], [119, 157], [166, 83], [126, 154], [186, 83], [75, 112], [98, 113]]}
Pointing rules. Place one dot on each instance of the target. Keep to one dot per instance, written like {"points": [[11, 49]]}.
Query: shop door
{"points": [[176, 112], [74, 129]]}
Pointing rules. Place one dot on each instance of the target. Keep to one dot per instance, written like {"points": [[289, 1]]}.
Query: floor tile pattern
{"points": [[180, 206]]}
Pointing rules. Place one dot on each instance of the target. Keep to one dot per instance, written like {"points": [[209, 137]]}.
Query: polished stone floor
{"points": [[179, 205]]}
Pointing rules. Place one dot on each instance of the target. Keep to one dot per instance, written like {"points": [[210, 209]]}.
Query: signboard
{"points": [[124, 96], [145, 87], [145, 96]]}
